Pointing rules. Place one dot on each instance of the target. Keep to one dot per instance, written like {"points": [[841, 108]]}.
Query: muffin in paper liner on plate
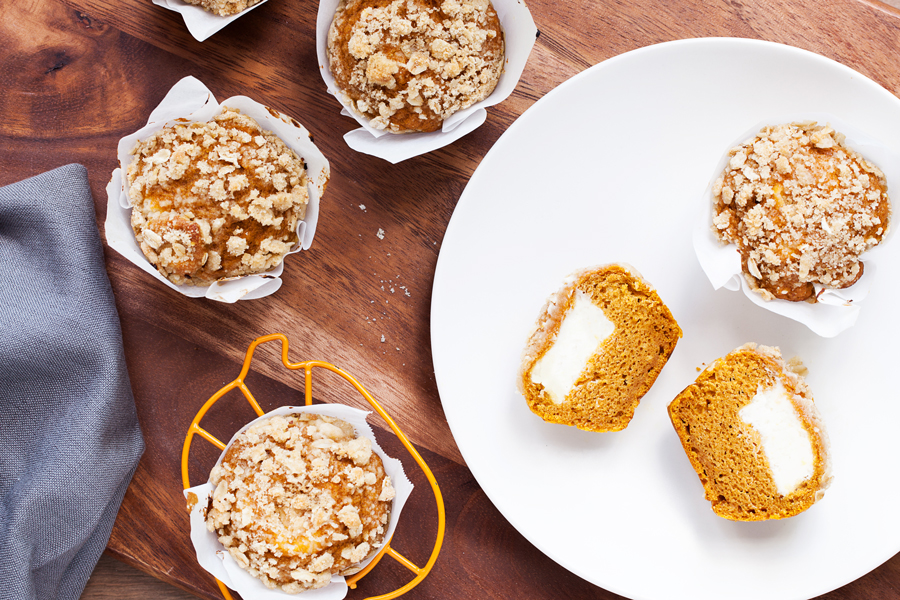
{"points": [[210, 198], [299, 498], [203, 18], [418, 75], [797, 214]]}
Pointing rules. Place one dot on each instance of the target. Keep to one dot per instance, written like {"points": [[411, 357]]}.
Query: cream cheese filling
{"points": [[583, 329], [785, 441]]}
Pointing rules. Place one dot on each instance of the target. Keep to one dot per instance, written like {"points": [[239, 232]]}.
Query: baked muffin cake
{"points": [[598, 345], [300, 498], [406, 65], [215, 200], [224, 8], [752, 433], [801, 208]]}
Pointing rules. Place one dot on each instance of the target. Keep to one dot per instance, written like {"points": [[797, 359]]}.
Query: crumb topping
{"points": [[224, 8], [409, 64], [801, 208], [299, 498], [215, 200]]}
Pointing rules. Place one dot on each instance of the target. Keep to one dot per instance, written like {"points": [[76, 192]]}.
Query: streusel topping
{"points": [[215, 200], [224, 8], [299, 498], [409, 64], [801, 208]]}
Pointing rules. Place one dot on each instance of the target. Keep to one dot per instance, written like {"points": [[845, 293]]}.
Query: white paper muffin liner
{"points": [[190, 99], [836, 310], [202, 23], [520, 34], [213, 556]]}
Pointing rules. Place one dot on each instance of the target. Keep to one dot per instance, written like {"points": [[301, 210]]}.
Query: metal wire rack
{"points": [[307, 367]]}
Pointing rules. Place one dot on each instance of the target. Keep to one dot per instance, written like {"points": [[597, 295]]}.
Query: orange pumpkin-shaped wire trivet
{"points": [[308, 366]]}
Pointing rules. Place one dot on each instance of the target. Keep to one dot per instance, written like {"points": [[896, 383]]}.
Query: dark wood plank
{"points": [[114, 580]]}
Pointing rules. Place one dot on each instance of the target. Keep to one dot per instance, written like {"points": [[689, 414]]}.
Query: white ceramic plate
{"points": [[610, 166]]}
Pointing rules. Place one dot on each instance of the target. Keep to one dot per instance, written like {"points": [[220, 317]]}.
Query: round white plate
{"points": [[610, 167]]}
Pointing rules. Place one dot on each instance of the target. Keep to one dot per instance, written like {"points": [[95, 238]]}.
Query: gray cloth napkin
{"points": [[69, 435]]}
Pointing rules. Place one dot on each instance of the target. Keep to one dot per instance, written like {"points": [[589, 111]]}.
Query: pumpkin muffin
{"points": [[215, 200], [299, 498], [598, 346], [754, 436], [224, 8], [801, 208], [406, 65]]}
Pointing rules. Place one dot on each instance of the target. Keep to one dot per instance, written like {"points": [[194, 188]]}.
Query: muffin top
{"points": [[801, 208], [409, 64], [215, 200], [224, 8], [299, 498]]}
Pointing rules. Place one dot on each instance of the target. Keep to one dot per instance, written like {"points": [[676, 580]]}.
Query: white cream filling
{"points": [[785, 441], [583, 329]]}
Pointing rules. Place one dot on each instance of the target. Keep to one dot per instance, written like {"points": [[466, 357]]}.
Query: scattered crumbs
{"points": [[382, 338], [398, 349], [796, 365], [388, 253], [380, 234], [362, 207], [392, 290]]}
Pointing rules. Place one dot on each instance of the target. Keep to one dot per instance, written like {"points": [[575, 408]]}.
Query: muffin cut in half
{"points": [[752, 433], [598, 346]]}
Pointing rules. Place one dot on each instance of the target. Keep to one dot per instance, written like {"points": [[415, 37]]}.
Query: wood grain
{"points": [[114, 580], [77, 75]]}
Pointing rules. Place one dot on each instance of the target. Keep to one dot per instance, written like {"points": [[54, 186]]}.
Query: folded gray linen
{"points": [[69, 435]]}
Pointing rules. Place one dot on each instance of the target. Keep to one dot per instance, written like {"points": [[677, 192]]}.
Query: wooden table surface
{"points": [[77, 75]]}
